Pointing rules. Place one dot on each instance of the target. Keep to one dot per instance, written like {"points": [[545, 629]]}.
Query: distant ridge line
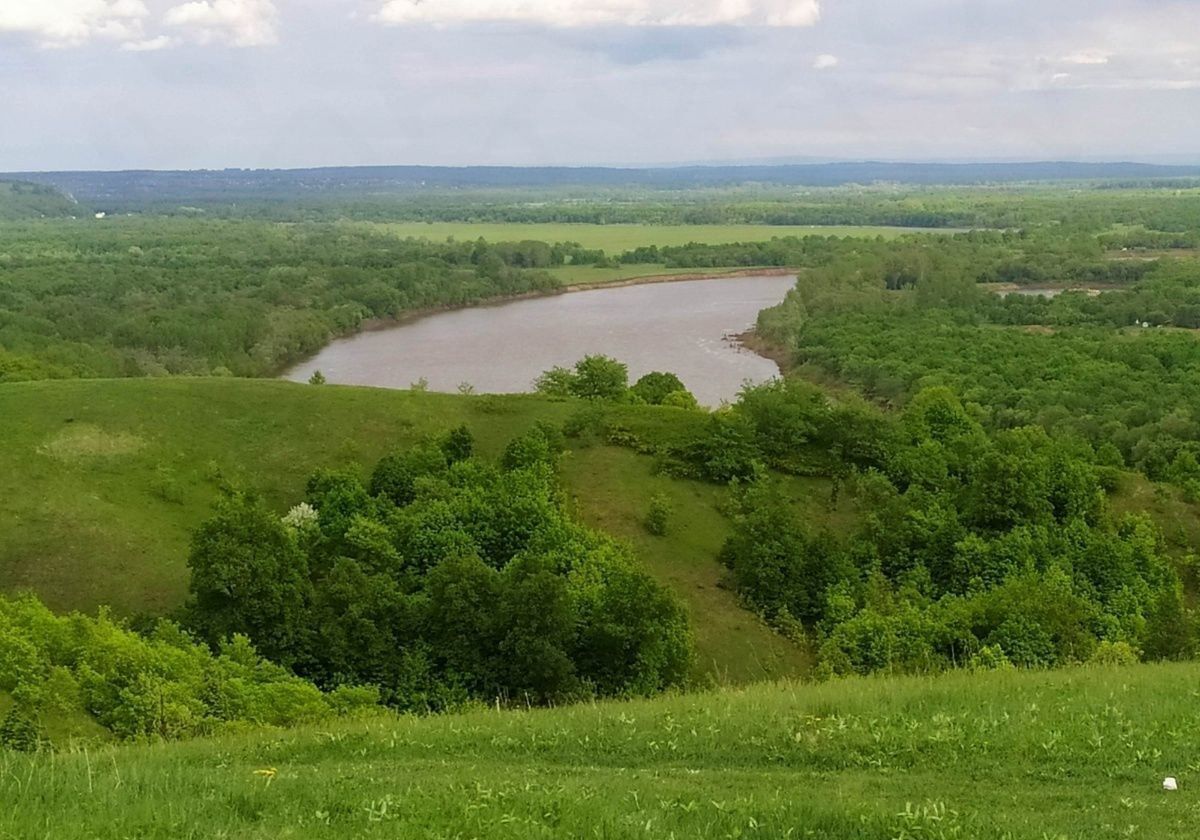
{"points": [[232, 184]]}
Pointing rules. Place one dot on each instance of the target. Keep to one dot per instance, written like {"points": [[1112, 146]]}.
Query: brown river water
{"points": [[685, 327]]}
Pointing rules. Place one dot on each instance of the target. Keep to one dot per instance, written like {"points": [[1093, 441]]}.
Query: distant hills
{"points": [[128, 189], [25, 200]]}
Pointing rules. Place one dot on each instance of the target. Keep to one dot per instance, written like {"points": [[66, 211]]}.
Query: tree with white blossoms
{"points": [[301, 517]]}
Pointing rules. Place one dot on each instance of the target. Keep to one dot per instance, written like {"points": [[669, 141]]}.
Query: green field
{"points": [[1076, 754], [615, 239], [589, 274], [101, 483]]}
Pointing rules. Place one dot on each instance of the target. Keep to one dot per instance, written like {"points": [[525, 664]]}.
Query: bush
{"points": [[20, 731], [161, 684], [593, 377], [681, 399], [659, 515], [1114, 653], [655, 387]]}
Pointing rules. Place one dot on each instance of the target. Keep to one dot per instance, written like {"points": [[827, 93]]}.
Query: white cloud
{"points": [[566, 13], [825, 62], [243, 23], [1087, 57], [148, 45], [63, 23]]}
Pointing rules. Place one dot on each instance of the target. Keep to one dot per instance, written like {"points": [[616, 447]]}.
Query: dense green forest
{"points": [[1113, 368], [138, 297], [154, 296]]}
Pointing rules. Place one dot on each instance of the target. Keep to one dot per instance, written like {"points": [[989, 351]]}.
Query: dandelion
{"points": [[268, 773]]}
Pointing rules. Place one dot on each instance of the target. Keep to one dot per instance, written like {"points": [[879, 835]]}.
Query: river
{"points": [[684, 327]]}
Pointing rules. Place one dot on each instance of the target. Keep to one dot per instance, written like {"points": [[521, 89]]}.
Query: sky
{"points": [[116, 84]]}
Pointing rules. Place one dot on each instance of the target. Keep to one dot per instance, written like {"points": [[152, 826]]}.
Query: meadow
{"points": [[1077, 754], [618, 238], [102, 483]]}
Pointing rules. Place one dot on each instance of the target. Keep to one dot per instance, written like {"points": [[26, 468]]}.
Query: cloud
{"points": [[825, 62], [1087, 57], [243, 23], [148, 45], [573, 13], [65, 23]]}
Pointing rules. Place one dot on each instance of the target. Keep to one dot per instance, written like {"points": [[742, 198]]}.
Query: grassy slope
{"points": [[1066, 754], [102, 481], [614, 239]]}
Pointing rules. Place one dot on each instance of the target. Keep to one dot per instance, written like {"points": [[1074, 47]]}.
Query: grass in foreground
{"points": [[1066, 754]]}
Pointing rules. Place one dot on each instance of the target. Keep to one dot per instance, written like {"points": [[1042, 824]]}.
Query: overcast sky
{"points": [[107, 84]]}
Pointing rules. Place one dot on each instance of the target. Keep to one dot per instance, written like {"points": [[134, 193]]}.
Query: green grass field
{"points": [[1076, 754], [101, 483], [587, 274], [615, 239]]}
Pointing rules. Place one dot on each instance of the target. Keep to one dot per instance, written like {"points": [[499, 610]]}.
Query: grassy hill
{"points": [[1068, 754], [23, 200], [102, 482]]}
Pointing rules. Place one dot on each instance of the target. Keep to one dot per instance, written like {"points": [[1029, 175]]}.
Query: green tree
{"points": [[654, 387], [458, 444], [395, 476], [250, 576], [600, 377]]}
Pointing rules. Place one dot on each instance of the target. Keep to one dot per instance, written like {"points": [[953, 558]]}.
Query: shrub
{"points": [[1114, 653], [681, 399], [161, 684], [655, 387], [658, 516], [20, 730]]}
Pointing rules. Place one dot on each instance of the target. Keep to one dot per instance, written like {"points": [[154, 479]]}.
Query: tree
{"points": [[654, 387], [600, 377], [537, 620], [458, 444], [395, 476], [250, 576], [556, 382]]}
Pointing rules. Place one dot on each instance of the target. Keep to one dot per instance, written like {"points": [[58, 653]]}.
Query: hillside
{"points": [[131, 188], [101, 483], [1068, 754], [25, 200]]}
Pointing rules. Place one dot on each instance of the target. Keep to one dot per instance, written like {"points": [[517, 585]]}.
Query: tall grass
{"points": [[1067, 754]]}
